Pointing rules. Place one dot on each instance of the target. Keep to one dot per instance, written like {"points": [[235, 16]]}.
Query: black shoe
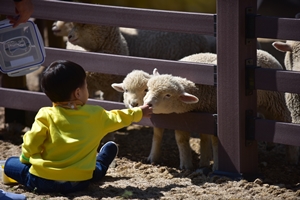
{"points": [[107, 153]]}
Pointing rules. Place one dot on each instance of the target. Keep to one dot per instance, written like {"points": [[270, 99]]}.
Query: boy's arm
{"points": [[34, 139], [116, 119]]}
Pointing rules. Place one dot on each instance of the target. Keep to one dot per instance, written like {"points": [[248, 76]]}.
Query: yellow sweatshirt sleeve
{"points": [[116, 119], [34, 138]]}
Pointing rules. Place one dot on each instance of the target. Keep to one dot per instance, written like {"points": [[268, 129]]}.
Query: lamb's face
{"points": [[88, 36], [293, 61], [74, 34], [133, 97], [61, 28], [166, 95], [134, 88], [292, 56]]}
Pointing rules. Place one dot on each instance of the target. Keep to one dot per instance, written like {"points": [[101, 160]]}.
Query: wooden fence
{"points": [[236, 27]]}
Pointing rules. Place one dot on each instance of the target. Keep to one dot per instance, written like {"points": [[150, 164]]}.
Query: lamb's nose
{"points": [[134, 104]]}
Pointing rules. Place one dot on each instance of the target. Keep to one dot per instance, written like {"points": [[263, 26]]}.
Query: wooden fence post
{"points": [[237, 156]]}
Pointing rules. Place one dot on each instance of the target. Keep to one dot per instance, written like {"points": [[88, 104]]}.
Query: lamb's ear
{"points": [[188, 98], [118, 87], [282, 46], [155, 72]]}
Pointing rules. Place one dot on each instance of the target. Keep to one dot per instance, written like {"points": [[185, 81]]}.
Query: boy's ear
{"points": [[77, 93]]}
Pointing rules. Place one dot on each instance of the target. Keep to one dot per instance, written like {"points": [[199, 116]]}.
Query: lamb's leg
{"points": [[292, 153], [284, 110], [214, 142], [205, 150], [185, 154], [156, 144]]}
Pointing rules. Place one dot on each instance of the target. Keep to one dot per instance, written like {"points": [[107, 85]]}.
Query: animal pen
{"points": [[236, 26]]}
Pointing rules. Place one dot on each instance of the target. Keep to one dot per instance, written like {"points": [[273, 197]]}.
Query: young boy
{"points": [[59, 153]]}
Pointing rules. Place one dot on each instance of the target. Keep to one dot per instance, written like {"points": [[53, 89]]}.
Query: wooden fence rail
{"points": [[236, 27]]}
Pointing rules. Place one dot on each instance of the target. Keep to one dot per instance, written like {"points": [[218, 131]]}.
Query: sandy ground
{"points": [[132, 178]]}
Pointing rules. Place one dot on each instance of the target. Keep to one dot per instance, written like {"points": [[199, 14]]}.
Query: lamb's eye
{"points": [[168, 95], [146, 90], [126, 90]]}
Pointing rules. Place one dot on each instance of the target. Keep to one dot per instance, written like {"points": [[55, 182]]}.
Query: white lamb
{"points": [[166, 45], [134, 88], [291, 62], [169, 94], [102, 39]]}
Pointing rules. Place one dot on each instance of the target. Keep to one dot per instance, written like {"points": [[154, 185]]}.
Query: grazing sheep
{"points": [[168, 94], [292, 62], [102, 39], [166, 45]]}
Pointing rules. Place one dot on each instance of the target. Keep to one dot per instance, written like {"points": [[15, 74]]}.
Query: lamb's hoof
{"points": [[148, 161], [152, 161]]}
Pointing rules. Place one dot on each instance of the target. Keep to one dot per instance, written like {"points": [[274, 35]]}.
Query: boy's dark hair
{"points": [[61, 78]]}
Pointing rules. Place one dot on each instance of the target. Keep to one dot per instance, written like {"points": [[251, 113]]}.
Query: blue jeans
{"points": [[19, 171]]}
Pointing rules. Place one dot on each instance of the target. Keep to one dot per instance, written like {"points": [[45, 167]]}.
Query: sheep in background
{"points": [[292, 62], [159, 44], [61, 28], [154, 44], [166, 45], [102, 39], [98, 38], [167, 94]]}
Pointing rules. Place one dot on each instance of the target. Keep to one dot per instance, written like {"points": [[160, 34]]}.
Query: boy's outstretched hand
{"points": [[147, 110]]}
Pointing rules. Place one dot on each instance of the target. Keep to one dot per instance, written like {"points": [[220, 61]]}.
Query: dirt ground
{"points": [[132, 178]]}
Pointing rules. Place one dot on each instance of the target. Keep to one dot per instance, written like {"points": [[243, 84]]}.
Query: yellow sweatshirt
{"points": [[62, 143]]}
